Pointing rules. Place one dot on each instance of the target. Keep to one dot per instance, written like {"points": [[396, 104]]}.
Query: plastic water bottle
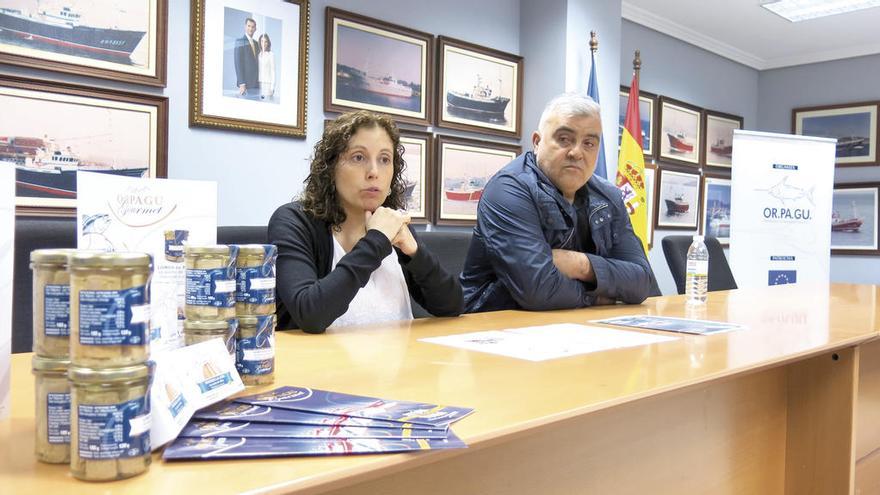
{"points": [[696, 284]]}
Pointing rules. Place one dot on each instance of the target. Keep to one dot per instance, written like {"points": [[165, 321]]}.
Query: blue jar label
{"points": [[58, 417], [174, 241], [114, 317], [111, 431], [256, 355], [56, 310], [256, 285]]}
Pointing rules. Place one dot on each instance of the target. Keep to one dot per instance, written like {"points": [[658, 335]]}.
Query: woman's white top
{"points": [[384, 298], [266, 75]]}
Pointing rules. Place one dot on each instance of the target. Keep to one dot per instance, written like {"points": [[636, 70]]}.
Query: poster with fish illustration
{"points": [[156, 216], [7, 227], [780, 228]]}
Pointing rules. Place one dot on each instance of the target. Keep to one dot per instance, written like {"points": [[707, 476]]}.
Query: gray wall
{"points": [[257, 173], [677, 69], [826, 83]]}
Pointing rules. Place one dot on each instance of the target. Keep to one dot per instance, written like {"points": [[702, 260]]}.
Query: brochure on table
{"points": [[7, 229], [545, 342], [156, 216], [669, 324], [187, 379]]}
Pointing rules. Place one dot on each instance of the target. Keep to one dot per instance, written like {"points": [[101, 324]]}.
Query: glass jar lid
{"points": [[98, 259], [83, 374], [50, 256]]}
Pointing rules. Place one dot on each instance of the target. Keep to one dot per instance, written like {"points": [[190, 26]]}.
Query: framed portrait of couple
{"points": [[249, 65]]}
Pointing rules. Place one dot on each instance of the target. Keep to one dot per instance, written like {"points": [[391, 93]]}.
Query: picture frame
{"points": [[647, 106], [679, 133], [419, 174], [717, 148], [116, 132], [370, 64], [854, 221], [463, 167], [651, 193], [854, 125], [715, 207], [678, 200], [261, 89], [131, 46], [479, 89]]}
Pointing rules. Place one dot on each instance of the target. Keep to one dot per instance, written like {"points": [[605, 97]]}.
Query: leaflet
{"points": [[238, 411], [248, 429], [313, 400], [670, 324], [244, 448]]}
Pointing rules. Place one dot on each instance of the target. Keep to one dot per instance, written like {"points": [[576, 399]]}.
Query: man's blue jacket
{"points": [[521, 217]]}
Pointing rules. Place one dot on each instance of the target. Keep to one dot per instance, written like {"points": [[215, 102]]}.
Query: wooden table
{"points": [[789, 405]]}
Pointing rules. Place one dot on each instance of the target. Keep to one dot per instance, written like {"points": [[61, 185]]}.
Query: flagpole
{"points": [[637, 64]]}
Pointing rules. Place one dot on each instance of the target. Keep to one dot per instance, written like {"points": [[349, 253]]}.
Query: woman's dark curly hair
{"points": [[319, 198]]}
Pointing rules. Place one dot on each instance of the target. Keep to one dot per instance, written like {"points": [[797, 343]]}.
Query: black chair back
{"points": [[450, 247], [675, 248]]}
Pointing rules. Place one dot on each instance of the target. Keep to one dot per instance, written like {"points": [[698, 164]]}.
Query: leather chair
{"points": [[675, 248], [451, 248]]}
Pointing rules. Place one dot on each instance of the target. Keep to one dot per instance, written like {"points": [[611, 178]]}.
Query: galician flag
{"points": [[631, 166], [593, 92]]}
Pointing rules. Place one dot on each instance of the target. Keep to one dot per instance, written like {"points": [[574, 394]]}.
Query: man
{"points": [[247, 64], [550, 234]]}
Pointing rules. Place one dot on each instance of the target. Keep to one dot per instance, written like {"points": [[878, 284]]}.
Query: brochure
{"points": [[7, 245], [670, 324], [279, 430], [187, 379], [244, 448], [313, 400], [155, 216], [238, 411]]}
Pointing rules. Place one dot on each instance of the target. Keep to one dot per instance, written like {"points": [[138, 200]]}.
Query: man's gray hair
{"points": [[570, 105]]}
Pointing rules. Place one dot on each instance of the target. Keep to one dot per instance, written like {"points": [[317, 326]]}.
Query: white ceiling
{"points": [[745, 32]]}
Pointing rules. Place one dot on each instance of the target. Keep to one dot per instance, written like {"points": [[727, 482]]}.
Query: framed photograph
{"points": [[651, 193], [647, 114], [248, 65], [122, 41], [75, 128], [678, 200], [373, 65], [854, 214], [480, 89], [854, 126], [679, 133], [718, 138], [715, 212], [464, 166], [419, 173]]}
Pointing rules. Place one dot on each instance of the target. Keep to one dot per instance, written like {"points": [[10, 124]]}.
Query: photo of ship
{"points": [[60, 30], [722, 148], [43, 169], [839, 224], [465, 190], [387, 86], [677, 205], [854, 218], [679, 144], [480, 99]]}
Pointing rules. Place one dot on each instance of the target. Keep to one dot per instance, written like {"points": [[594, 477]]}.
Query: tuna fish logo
{"points": [[786, 193]]}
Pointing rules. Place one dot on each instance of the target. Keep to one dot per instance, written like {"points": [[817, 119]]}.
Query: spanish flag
{"points": [[631, 166]]}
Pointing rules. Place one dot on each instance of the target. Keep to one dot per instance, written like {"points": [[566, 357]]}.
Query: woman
{"points": [[336, 266], [266, 75]]}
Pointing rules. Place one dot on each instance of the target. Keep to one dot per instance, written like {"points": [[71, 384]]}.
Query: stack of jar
{"points": [[230, 293], [108, 346]]}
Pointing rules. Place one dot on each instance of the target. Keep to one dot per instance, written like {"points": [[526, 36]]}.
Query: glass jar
{"points": [[110, 422], [174, 242], [255, 349], [210, 282], [51, 302], [255, 279], [200, 331], [109, 308], [52, 413]]}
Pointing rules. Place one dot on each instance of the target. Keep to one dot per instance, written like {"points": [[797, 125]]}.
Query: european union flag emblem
{"points": [[781, 277]]}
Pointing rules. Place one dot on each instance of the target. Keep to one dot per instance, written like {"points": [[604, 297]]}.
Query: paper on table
{"points": [[670, 324], [545, 342]]}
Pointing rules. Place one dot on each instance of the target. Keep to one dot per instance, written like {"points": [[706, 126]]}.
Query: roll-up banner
{"points": [[7, 244], [780, 225]]}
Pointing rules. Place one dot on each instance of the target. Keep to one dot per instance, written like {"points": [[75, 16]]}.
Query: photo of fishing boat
{"points": [[678, 200], [66, 28], [719, 138], [854, 218], [466, 166], [481, 102], [680, 132], [716, 208]]}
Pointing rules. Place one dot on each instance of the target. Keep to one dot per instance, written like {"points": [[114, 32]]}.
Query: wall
{"points": [[257, 173], [826, 83], [685, 72]]}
